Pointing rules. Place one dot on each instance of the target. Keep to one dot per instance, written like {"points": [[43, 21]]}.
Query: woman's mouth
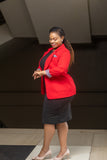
{"points": [[53, 44]]}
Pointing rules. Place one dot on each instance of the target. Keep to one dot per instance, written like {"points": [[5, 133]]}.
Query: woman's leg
{"points": [[49, 130], [62, 129]]}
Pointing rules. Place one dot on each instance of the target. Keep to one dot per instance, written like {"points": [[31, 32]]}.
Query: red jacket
{"points": [[60, 84]]}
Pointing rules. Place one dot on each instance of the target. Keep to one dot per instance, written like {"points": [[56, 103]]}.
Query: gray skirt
{"points": [[56, 110]]}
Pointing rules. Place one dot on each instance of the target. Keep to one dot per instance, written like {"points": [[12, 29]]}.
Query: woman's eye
{"points": [[53, 39]]}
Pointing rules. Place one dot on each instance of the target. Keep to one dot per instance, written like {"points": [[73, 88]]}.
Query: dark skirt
{"points": [[56, 110]]}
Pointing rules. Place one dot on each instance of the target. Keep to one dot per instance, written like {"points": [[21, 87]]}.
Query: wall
{"points": [[98, 17], [17, 18], [73, 16], [21, 100]]}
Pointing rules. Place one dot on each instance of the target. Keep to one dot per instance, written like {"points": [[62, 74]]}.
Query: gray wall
{"points": [[5, 34], [98, 16], [80, 19], [72, 15], [17, 18]]}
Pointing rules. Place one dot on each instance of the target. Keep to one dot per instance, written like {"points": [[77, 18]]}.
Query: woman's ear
{"points": [[62, 38]]}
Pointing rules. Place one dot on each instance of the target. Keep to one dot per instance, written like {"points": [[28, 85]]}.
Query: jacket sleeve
{"points": [[61, 67]]}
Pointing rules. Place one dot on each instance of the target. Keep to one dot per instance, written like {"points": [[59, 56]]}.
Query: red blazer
{"points": [[61, 84]]}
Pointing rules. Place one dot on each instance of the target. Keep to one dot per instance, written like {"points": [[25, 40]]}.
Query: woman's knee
{"points": [[60, 125], [49, 126]]}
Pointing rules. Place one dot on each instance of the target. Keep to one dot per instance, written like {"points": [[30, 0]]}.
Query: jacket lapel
{"points": [[48, 60]]}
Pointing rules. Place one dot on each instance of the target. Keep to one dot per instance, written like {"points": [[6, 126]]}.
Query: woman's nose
{"points": [[52, 41]]}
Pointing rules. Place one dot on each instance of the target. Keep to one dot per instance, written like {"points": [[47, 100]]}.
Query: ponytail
{"points": [[69, 47], [67, 44]]}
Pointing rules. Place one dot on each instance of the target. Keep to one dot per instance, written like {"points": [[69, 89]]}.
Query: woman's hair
{"points": [[67, 44]]}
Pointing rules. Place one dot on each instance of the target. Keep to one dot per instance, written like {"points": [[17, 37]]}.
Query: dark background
{"points": [[20, 96]]}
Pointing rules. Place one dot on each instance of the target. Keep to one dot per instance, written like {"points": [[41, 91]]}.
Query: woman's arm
{"points": [[56, 70], [38, 74], [61, 67]]}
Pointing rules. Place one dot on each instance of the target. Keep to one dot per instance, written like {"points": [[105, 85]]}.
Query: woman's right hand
{"points": [[35, 75]]}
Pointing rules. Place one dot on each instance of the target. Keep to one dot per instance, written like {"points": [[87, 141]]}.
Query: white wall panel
{"points": [[17, 18], [72, 15], [98, 16]]}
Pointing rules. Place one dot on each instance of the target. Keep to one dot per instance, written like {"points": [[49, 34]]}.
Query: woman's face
{"points": [[55, 40]]}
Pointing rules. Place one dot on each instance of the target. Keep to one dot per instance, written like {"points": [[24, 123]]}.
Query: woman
{"points": [[59, 89]]}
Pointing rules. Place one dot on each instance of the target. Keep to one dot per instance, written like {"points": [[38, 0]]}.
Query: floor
{"points": [[83, 144]]}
